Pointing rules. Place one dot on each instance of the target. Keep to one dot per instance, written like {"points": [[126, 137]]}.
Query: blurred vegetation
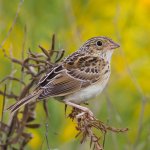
{"points": [[126, 100]]}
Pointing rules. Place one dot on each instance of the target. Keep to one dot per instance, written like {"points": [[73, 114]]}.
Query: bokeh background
{"points": [[126, 100]]}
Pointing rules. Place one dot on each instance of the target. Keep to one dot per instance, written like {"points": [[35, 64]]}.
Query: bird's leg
{"points": [[80, 115], [84, 109]]}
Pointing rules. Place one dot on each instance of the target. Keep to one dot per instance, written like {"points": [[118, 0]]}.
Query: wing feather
{"points": [[61, 86], [69, 77]]}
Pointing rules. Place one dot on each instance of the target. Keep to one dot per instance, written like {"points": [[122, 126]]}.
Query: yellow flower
{"points": [[36, 141], [69, 131]]}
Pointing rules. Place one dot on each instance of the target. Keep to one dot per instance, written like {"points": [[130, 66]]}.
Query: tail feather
{"points": [[30, 98]]}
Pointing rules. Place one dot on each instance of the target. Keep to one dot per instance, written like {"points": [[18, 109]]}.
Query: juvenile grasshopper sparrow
{"points": [[77, 78]]}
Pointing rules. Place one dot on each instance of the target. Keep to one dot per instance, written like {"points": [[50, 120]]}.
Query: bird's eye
{"points": [[99, 43]]}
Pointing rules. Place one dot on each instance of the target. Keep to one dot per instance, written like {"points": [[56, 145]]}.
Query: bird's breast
{"points": [[88, 92]]}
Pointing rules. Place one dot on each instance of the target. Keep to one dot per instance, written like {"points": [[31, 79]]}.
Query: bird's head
{"points": [[99, 46]]}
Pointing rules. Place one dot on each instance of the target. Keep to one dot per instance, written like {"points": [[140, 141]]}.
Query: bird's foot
{"points": [[87, 113]]}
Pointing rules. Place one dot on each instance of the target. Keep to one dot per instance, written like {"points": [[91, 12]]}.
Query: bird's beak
{"points": [[114, 45]]}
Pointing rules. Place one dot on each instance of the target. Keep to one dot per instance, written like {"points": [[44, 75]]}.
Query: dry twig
{"points": [[34, 65], [85, 126]]}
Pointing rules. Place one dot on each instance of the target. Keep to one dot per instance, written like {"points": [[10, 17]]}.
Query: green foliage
{"points": [[73, 22]]}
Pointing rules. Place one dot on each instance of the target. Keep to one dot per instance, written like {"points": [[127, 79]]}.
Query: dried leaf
{"points": [[44, 51], [32, 125]]}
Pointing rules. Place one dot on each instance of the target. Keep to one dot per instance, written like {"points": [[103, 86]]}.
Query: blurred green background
{"points": [[126, 100]]}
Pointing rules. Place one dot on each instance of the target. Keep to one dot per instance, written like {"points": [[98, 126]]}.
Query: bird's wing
{"points": [[58, 83], [71, 76]]}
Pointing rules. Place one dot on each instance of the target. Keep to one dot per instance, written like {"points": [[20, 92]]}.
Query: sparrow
{"points": [[78, 77]]}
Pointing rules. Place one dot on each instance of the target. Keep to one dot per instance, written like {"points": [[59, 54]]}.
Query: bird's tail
{"points": [[30, 98]]}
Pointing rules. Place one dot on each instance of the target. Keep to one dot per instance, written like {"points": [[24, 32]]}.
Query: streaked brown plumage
{"points": [[78, 77]]}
